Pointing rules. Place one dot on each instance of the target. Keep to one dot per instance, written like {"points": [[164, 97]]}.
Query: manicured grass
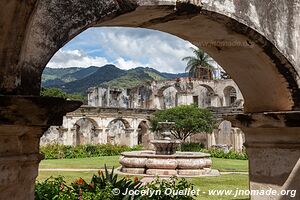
{"points": [[81, 163], [223, 165], [223, 182], [228, 165]]}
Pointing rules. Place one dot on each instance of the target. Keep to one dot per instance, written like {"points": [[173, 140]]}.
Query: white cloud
{"points": [[161, 51], [75, 58], [127, 64], [126, 48]]}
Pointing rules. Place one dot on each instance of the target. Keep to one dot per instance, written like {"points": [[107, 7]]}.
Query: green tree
{"points": [[198, 66], [189, 120], [57, 92]]}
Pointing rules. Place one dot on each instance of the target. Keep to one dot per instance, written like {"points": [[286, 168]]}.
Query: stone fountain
{"points": [[165, 161], [166, 146]]}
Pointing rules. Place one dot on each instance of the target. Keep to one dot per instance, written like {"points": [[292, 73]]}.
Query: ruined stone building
{"points": [[121, 116], [168, 94]]}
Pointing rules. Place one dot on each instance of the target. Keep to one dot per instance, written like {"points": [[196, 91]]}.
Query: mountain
{"points": [[58, 73], [52, 83], [80, 74], [78, 80], [134, 77], [59, 76], [103, 74]]}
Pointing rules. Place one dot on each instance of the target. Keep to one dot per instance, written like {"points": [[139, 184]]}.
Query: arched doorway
{"points": [[209, 97], [85, 132], [144, 136], [245, 43], [230, 96], [118, 132], [169, 98]]}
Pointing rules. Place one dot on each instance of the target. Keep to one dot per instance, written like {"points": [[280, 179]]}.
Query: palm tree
{"points": [[199, 66]]}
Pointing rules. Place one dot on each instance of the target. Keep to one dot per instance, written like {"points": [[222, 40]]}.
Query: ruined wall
{"points": [[167, 94]]}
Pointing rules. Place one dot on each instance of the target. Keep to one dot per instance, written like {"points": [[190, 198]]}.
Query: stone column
{"points": [[211, 139], [215, 101], [23, 120], [66, 140], [273, 147], [132, 135], [104, 136], [98, 134]]}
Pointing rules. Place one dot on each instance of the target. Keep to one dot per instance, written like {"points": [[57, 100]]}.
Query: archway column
{"points": [[23, 121], [273, 147], [67, 140], [132, 135], [211, 138], [215, 101]]}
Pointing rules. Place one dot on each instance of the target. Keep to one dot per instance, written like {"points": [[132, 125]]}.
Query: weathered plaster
{"points": [[256, 61]]}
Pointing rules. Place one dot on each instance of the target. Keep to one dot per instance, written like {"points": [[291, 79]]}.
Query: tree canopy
{"points": [[188, 119], [198, 66], [56, 92]]}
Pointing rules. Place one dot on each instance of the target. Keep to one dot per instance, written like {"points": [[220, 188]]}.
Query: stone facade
{"points": [[121, 116], [168, 94]]}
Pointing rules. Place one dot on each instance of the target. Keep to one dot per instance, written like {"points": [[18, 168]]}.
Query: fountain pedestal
{"points": [[165, 147], [165, 161]]}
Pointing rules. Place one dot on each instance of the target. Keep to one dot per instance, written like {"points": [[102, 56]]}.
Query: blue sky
{"points": [[124, 47]]}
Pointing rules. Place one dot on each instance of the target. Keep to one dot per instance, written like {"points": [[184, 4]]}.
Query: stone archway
{"points": [[169, 97], [85, 132], [256, 42], [211, 98], [118, 132], [230, 96], [244, 45], [144, 136]]}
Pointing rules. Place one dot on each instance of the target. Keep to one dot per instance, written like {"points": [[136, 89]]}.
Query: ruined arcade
{"points": [[262, 58]]}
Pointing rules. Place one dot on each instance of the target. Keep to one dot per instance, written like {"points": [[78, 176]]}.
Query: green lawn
{"points": [[82, 163], [223, 165], [223, 182], [228, 165]]}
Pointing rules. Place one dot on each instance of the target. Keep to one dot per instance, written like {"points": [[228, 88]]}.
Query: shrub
{"points": [[100, 188], [103, 185], [192, 147], [54, 188], [215, 153], [231, 154], [165, 186], [57, 151]]}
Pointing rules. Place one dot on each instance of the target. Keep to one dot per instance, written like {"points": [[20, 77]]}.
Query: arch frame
{"points": [[283, 76]]}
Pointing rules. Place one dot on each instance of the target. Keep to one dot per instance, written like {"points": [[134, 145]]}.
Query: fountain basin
{"points": [[180, 163]]}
